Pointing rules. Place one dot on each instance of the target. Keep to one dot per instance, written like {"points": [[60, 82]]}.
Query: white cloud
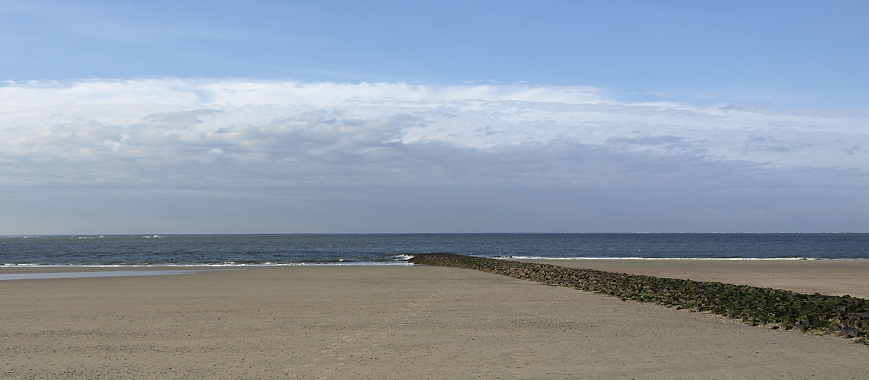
{"points": [[272, 139], [148, 115]]}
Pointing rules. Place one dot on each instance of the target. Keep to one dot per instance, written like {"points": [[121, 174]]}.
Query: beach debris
{"points": [[843, 315]]}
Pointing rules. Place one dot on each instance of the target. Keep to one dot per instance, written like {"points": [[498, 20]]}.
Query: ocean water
{"points": [[394, 249]]}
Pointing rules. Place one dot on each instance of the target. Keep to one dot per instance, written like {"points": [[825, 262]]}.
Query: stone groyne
{"points": [[843, 315]]}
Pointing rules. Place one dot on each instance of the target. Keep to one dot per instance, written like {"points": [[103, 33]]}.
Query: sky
{"points": [[433, 116]]}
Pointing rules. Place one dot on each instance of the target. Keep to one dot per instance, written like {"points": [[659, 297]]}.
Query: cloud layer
{"points": [[317, 150]]}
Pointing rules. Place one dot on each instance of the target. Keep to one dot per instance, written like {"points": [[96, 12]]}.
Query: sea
{"points": [[395, 249]]}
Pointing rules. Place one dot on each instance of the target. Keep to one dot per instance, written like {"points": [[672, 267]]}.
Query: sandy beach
{"points": [[406, 322]]}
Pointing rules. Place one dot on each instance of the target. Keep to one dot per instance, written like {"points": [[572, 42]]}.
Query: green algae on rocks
{"points": [[845, 315]]}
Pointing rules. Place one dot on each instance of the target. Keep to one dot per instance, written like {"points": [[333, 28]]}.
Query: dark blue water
{"points": [[395, 248]]}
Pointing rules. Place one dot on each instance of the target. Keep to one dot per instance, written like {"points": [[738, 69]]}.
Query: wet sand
{"points": [[386, 323]]}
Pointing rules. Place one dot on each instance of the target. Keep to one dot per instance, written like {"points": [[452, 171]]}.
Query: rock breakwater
{"points": [[843, 315]]}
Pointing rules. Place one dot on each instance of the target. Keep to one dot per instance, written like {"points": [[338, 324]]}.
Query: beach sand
{"points": [[398, 322]]}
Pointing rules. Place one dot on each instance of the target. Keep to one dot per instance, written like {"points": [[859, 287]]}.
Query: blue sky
{"points": [[375, 116], [789, 53]]}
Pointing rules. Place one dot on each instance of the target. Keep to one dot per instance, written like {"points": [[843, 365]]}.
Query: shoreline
{"points": [[835, 277], [381, 322]]}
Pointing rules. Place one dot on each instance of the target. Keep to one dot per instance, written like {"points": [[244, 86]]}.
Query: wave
{"points": [[211, 265]]}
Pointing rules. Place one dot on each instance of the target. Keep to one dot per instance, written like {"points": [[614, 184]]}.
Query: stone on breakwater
{"points": [[849, 316]]}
